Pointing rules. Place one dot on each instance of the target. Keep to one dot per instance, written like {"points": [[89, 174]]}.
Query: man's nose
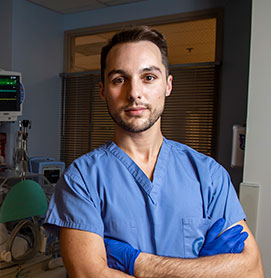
{"points": [[134, 90]]}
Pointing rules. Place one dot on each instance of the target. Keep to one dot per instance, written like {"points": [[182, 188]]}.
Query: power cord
{"points": [[36, 241]]}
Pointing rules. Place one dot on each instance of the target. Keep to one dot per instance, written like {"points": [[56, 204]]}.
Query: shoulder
{"points": [[180, 149], [89, 162], [83, 175], [198, 160]]}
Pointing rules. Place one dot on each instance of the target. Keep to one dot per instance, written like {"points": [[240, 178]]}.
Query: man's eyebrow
{"points": [[123, 72], [151, 68], [116, 71]]}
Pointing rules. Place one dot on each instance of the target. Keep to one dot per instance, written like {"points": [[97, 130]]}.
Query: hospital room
{"points": [[61, 138]]}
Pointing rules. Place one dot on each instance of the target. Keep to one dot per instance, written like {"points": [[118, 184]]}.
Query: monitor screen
{"points": [[9, 93]]}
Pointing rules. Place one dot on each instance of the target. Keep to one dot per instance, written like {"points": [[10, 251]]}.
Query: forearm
{"points": [[112, 273], [222, 266], [82, 269], [84, 256], [106, 272]]}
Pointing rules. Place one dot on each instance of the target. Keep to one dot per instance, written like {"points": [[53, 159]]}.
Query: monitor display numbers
{"points": [[8, 82]]}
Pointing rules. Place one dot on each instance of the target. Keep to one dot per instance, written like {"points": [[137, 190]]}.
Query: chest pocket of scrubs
{"points": [[194, 231]]}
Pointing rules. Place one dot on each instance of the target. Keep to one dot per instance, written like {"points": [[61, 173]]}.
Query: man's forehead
{"points": [[138, 52]]}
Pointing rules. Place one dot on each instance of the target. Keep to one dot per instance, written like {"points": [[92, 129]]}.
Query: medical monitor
{"points": [[11, 95]]}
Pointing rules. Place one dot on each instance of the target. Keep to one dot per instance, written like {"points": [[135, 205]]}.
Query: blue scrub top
{"points": [[105, 192]]}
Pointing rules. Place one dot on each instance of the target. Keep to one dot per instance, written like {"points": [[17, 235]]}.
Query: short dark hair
{"points": [[136, 34]]}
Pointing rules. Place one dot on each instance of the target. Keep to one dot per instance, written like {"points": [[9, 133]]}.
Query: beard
{"points": [[136, 124]]}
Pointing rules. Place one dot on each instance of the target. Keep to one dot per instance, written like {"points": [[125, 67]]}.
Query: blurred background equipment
{"points": [[3, 141], [24, 201], [26, 186], [47, 166], [20, 153]]}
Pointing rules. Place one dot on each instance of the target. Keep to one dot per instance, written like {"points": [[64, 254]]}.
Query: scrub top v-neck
{"points": [[105, 192], [151, 188]]}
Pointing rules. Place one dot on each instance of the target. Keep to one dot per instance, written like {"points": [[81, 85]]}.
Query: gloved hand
{"points": [[231, 241], [120, 255]]}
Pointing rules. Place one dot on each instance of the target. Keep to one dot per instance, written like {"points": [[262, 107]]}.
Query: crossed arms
{"points": [[84, 255]]}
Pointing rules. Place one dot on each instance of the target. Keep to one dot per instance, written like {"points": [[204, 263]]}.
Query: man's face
{"points": [[135, 85]]}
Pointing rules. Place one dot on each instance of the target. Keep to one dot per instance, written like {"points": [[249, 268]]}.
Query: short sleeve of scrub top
{"points": [[74, 205], [223, 192]]}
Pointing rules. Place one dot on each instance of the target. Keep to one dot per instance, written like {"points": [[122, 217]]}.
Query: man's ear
{"points": [[169, 85], [101, 88]]}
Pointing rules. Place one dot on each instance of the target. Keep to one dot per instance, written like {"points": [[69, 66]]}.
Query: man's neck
{"points": [[142, 147]]}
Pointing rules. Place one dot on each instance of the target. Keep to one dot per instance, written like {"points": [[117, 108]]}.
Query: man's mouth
{"points": [[135, 110]]}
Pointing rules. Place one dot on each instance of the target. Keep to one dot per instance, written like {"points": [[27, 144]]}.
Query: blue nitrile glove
{"points": [[120, 255], [231, 241]]}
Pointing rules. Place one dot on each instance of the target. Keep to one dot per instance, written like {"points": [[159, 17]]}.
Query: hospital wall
{"points": [[234, 79], [139, 10], [38, 54], [5, 34], [257, 170]]}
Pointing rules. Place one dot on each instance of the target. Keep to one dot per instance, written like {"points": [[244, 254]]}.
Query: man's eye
{"points": [[118, 80], [149, 77]]}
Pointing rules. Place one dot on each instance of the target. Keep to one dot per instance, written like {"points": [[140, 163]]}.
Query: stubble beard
{"points": [[154, 116]]}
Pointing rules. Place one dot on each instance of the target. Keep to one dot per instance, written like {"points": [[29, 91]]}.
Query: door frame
{"points": [[181, 17]]}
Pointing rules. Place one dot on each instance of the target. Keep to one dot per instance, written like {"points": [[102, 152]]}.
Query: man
{"points": [[158, 204]]}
